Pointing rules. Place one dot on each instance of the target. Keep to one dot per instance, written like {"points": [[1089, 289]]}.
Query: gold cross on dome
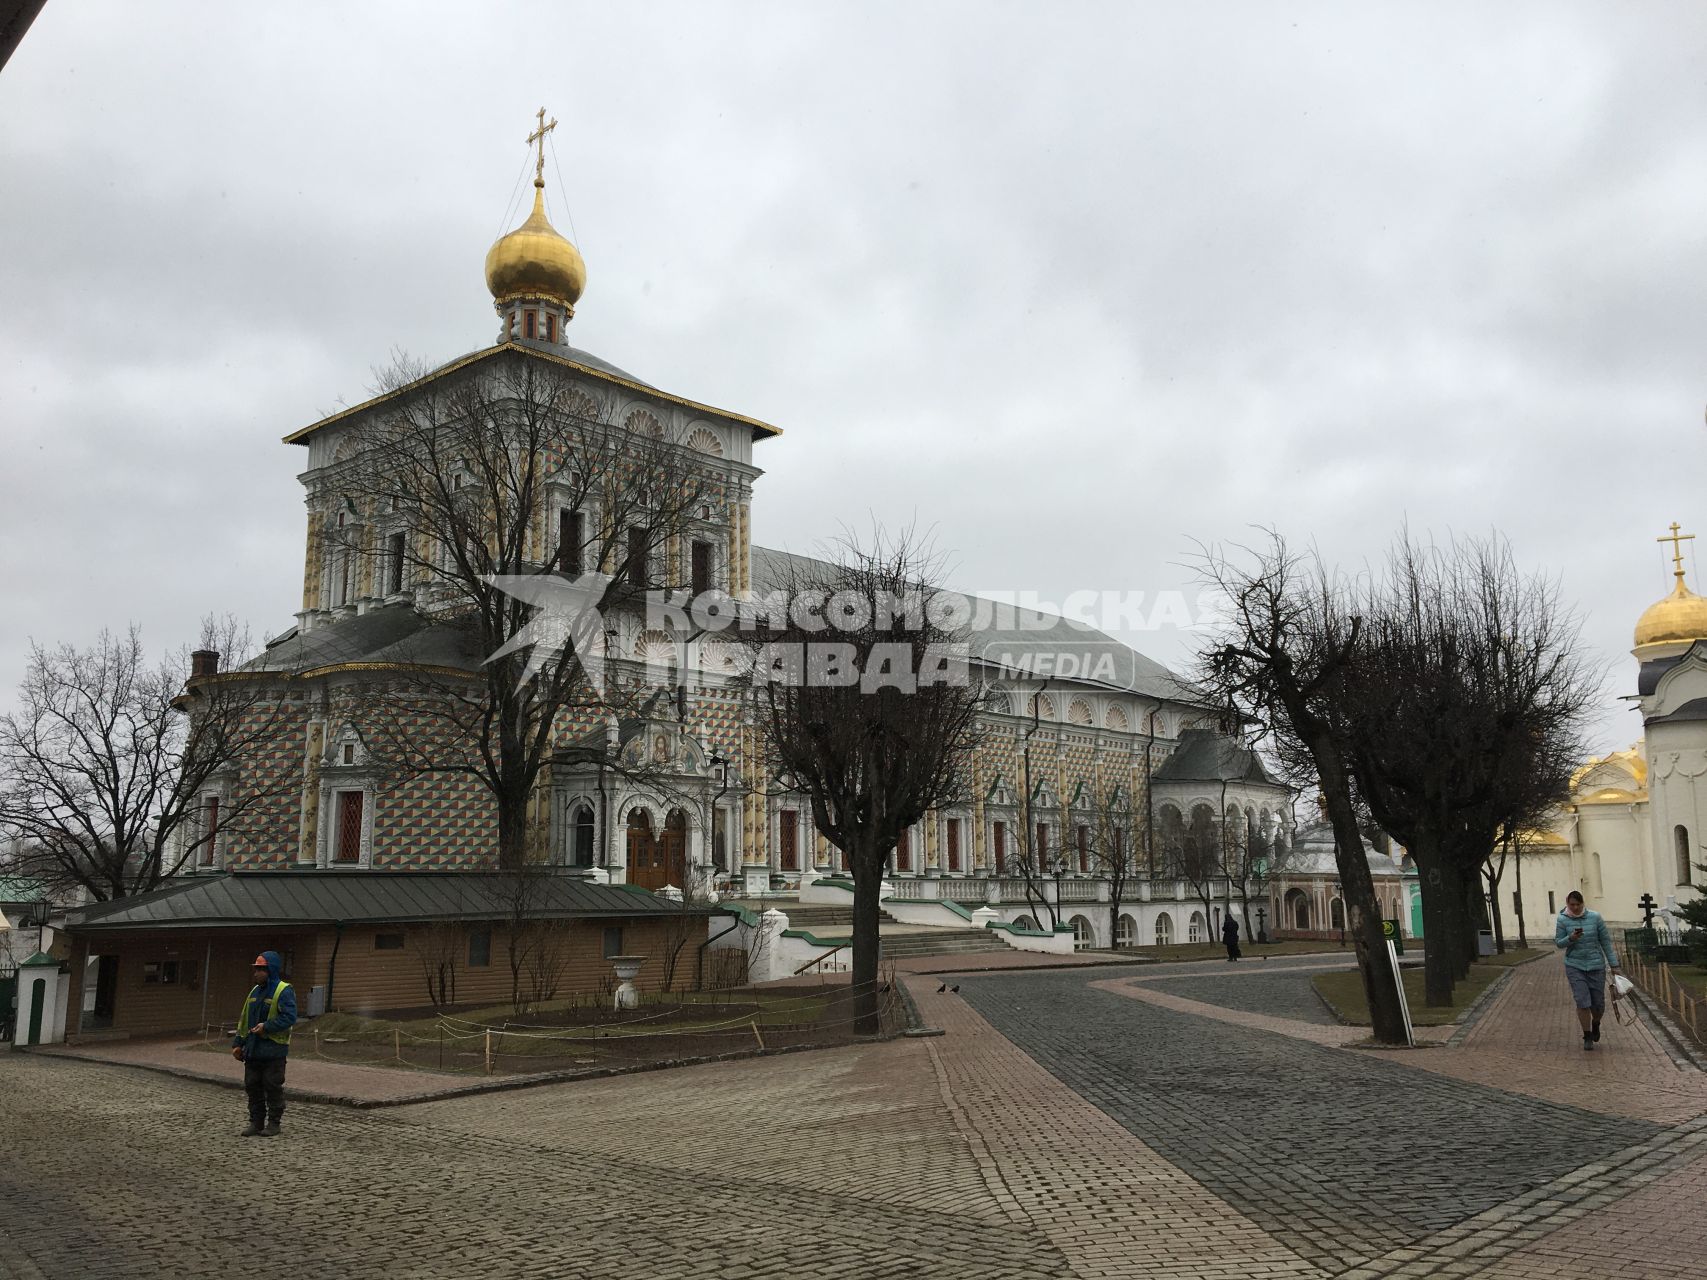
{"points": [[1677, 540], [538, 135]]}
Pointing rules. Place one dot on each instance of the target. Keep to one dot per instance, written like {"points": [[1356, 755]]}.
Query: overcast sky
{"points": [[1074, 284]]}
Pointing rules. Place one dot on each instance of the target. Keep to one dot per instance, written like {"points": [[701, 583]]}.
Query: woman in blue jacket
{"points": [[1583, 936]]}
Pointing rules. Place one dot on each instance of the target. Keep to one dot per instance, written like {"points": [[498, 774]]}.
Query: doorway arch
{"points": [[1297, 904]]}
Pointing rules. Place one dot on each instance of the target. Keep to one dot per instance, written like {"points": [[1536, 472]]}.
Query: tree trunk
{"points": [[512, 833], [1364, 917], [1475, 916], [1437, 929], [1498, 914], [1517, 902], [868, 891]]}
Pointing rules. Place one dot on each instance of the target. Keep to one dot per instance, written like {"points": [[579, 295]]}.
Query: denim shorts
{"points": [[1588, 987]]}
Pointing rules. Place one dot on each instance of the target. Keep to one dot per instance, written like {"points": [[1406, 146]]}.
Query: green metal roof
{"points": [[363, 897], [22, 889]]}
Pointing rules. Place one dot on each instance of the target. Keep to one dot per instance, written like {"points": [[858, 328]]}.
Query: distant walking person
{"points": [[1230, 937], [262, 1044], [1582, 935]]}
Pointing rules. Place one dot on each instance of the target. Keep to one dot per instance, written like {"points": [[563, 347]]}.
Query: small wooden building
{"points": [[179, 959]]}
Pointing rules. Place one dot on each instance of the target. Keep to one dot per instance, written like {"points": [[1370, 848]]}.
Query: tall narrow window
{"points": [[209, 831], [637, 556], [1083, 836], [394, 564], [550, 327], [528, 324], [1680, 836], [1042, 845], [701, 568], [581, 837], [788, 822], [953, 844], [571, 539], [999, 846], [349, 846], [1552, 904], [903, 852]]}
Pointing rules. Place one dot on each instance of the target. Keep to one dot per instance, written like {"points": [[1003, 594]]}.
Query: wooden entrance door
{"points": [[644, 869], [673, 849]]}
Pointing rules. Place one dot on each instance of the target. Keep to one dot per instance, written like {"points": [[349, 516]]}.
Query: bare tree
{"points": [[1464, 717], [685, 925], [1249, 864], [481, 495], [1115, 855], [1279, 660], [115, 773], [537, 942], [1193, 852], [873, 717], [438, 949]]}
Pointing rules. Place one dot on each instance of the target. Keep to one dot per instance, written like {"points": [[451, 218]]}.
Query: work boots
{"points": [[252, 1130], [272, 1129]]}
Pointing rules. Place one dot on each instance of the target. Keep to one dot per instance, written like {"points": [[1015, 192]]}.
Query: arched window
{"points": [[1126, 932], [1197, 929], [1298, 908], [1336, 914], [581, 836], [1164, 930], [1084, 938], [1680, 837]]}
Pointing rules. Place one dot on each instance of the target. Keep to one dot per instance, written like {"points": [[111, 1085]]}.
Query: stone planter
{"points": [[627, 969]]}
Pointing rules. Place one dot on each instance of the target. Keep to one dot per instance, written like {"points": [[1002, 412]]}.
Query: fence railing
{"points": [[1657, 981]]}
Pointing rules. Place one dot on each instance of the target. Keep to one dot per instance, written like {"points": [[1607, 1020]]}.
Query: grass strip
{"points": [[1344, 991]]}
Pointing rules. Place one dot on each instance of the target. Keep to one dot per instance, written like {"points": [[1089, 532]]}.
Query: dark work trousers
{"points": [[264, 1082]]}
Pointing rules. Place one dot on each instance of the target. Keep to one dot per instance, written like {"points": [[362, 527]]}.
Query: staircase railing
{"points": [[818, 960]]}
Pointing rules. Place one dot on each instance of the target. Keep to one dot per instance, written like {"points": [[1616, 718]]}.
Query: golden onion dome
{"points": [[1681, 618], [534, 261]]}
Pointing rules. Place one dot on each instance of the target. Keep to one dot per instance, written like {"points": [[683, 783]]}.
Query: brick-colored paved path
{"points": [[1090, 1123]]}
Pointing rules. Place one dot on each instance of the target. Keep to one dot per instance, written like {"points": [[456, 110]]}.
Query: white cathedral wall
{"points": [[1677, 801], [1611, 863], [1547, 877]]}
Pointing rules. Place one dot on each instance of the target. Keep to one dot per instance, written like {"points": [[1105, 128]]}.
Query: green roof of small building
{"points": [[41, 960], [310, 897]]}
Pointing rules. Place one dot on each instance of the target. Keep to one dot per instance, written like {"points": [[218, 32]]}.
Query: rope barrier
{"points": [[457, 1031]]}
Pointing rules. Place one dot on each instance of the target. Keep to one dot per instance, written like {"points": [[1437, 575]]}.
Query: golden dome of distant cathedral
{"points": [[534, 261], [1679, 619]]}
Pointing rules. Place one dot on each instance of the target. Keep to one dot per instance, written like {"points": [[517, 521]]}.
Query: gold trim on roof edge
{"points": [[761, 430]]}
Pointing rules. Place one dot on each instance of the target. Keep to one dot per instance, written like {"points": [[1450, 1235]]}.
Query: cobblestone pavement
{"points": [[1281, 993], [1343, 1154], [1059, 1128]]}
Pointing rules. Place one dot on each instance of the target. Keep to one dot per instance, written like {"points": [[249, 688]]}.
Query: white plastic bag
{"points": [[1621, 986]]}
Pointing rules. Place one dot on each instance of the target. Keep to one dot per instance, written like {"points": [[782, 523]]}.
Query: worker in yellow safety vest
{"points": [[262, 1044]]}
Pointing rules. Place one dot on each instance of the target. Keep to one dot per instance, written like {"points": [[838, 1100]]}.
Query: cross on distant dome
{"points": [[538, 135], [1677, 540]]}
